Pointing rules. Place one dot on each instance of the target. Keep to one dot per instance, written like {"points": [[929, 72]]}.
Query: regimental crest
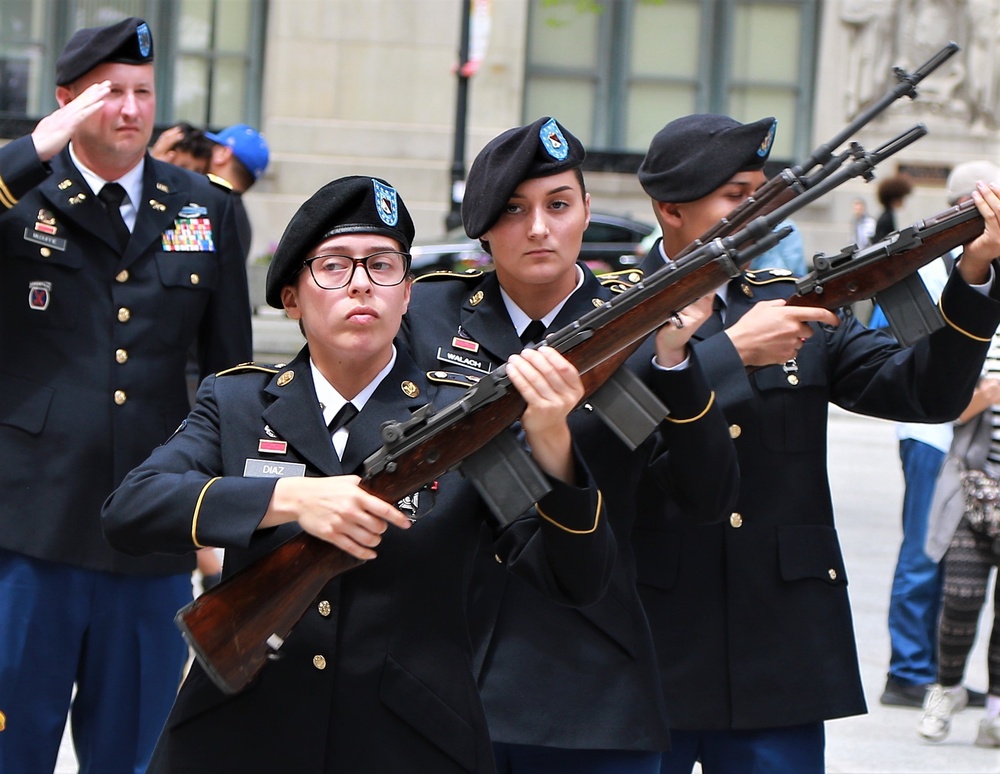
{"points": [[386, 203], [39, 294], [552, 139], [145, 39], [768, 141]]}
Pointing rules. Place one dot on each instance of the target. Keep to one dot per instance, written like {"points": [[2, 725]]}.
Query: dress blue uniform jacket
{"points": [[377, 676], [94, 344], [751, 617], [578, 678]]}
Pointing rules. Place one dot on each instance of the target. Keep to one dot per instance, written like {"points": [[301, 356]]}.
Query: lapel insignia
{"points": [[597, 302], [39, 295], [157, 205], [476, 298], [271, 434], [285, 378], [266, 446], [80, 197], [163, 187], [410, 390], [65, 184], [466, 344]]}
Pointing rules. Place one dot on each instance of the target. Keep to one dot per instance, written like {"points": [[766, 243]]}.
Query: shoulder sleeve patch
{"points": [[452, 378], [251, 368], [468, 274], [767, 276]]}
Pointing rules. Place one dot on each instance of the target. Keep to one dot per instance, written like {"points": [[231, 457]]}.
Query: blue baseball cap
{"points": [[248, 146]]}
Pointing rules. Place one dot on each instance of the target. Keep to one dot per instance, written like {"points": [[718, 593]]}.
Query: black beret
{"points": [[349, 205], [128, 41], [692, 156], [541, 149]]}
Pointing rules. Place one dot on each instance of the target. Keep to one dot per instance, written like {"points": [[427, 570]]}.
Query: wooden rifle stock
{"points": [[857, 275]]}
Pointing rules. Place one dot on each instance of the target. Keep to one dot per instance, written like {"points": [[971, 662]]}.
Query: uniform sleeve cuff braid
{"points": [[588, 531], [961, 330], [704, 411], [197, 512]]}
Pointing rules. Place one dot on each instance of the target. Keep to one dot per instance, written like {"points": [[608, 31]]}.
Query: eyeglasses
{"points": [[332, 272]]}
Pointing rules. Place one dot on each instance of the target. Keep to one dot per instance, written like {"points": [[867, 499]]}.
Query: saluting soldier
{"points": [[378, 674], [568, 689], [751, 616], [112, 267]]}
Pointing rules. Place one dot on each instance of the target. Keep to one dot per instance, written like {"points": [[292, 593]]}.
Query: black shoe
{"points": [[900, 694]]}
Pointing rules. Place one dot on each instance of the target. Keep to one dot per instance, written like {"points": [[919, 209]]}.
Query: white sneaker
{"points": [[940, 705], [989, 733]]}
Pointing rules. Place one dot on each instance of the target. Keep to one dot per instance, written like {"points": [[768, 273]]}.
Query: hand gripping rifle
{"points": [[235, 627], [858, 274]]}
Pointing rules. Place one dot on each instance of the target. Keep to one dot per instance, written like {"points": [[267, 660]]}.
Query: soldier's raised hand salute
{"points": [[53, 132]]}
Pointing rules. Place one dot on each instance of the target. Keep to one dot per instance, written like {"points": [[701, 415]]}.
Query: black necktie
{"points": [[533, 333], [342, 418], [111, 197]]}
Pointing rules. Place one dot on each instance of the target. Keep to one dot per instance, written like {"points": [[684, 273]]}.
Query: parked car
{"points": [[609, 244]]}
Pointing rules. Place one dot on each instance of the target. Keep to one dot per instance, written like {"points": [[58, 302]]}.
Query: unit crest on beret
{"points": [[467, 274], [767, 276], [251, 368]]}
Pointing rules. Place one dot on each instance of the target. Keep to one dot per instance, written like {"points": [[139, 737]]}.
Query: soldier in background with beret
{"points": [[113, 267], [377, 676], [568, 690], [751, 617]]}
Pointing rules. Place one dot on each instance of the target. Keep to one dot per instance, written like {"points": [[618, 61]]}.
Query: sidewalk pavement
{"points": [[867, 485]]}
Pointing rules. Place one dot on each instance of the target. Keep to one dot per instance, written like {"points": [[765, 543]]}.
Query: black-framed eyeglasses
{"points": [[332, 272]]}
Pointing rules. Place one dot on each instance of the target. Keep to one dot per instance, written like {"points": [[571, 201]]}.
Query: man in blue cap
{"points": [[239, 157], [751, 617], [113, 267]]}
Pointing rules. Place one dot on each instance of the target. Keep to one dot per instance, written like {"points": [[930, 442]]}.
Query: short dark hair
{"points": [[894, 189], [193, 141]]}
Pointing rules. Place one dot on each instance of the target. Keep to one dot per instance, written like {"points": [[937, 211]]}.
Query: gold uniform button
{"points": [[735, 431], [124, 314], [120, 397], [195, 279], [122, 276], [3, 721], [793, 380], [736, 520], [497, 557], [833, 574], [324, 608], [319, 662], [121, 355], [45, 252]]}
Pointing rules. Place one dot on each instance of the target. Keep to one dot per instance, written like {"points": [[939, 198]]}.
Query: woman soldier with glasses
{"points": [[377, 676]]}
